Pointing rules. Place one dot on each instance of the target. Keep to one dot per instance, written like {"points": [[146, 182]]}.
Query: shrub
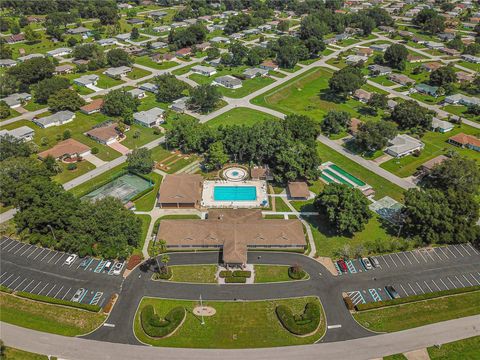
{"points": [[349, 303], [165, 273], [235, 280], [240, 273], [5, 289], [156, 327], [296, 272], [94, 150], [72, 166], [225, 274], [303, 324]]}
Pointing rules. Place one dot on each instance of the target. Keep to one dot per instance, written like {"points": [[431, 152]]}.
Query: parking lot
{"points": [[41, 271], [414, 258]]}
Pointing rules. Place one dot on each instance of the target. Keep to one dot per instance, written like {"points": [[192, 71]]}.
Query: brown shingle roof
{"points": [[92, 106], [234, 230], [65, 147], [104, 133], [430, 164], [354, 124], [181, 189], [298, 189], [465, 139]]}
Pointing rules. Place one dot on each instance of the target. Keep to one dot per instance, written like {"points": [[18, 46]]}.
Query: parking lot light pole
{"points": [[50, 227]]}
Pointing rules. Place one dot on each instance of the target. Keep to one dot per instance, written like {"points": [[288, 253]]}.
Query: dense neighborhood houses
{"points": [[239, 178]]}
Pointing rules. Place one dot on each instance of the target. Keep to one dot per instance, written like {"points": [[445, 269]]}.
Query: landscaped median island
{"points": [[278, 273], [414, 311], [235, 324], [49, 315]]}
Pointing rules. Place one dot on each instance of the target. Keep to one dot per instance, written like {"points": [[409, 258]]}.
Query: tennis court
{"points": [[123, 188]]}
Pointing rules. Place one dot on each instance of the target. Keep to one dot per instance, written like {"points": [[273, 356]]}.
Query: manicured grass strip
{"points": [[194, 273], [55, 301], [17, 354], [466, 349], [395, 357], [280, 205], [271, 273], [147, 201], [407, 316], [236, 324], [145, 224], [410, 299], [49, 318]]}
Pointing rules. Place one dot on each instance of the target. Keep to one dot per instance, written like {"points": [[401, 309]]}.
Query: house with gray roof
{"points": [[16, 100], [107, 42], [117, 72], [403, 145], [158, 45], [149, 118], [86, 80], [220, 40], [78, 30], [427, 89], [7, 62], [30, 56], [379, 70], [149, 87], [123, 37], [22, 133], [137, 93], [57, 119], [441, 126], [204, 70], [380, 47], [228, 82], [462, 100], [157, 14], [254, 72], [59, 52], [180, 105]]}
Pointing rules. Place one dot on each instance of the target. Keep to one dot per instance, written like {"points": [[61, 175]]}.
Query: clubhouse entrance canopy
{"points": [[234, 231]]}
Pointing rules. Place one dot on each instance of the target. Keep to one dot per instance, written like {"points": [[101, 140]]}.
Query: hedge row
{"points": [[156, 327], [225, 274], [240, 273], [54, 301], [5, 289], [303, 324], [163, 274], [296, 275], [409, 299], [235, 280]]}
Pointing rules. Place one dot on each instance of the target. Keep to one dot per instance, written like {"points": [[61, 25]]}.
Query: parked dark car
{"points": [[392, 292], [342, 265]]}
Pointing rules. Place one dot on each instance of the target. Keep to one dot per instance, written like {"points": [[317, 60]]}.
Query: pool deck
{"points": [[209, 202]]}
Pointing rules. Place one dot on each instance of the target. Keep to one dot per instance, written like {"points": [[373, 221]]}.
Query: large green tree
{"points": [[65, 99], [396, 56], [46, 87], [169, 87], [345, 209], [335, 122], [118, 57], [215, 157], [10, 146], [119, 103], [32, 71], [346, 81], [204, 98], [409, 115], [140, 161], [443, 76], [374, 135]]}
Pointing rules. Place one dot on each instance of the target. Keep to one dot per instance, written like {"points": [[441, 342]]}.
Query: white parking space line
{"points": [[423, 292], [451, 282], [29, 248], [411, 252], [385, 261], [390, 256], [5, 280], [16, 287], [14, 246], [33, 252], [58, 292], [412, 289], [43, 289], [474, 250], [431, 257], [467, 280], [54, 254], [3, 275], [429, 288], [422, 256], [35, 287], [40, 253], [66, 293], [444, 284], [13, 282], [443, 252], [30, 283], [59, 258], [434, 283], [405, 254], [4, 240], [457, 250], [54, 286], [405, 291], [435, 252], [44, 256], [478, 282], [466, 250], [20, 248], [459, 281], [398, 256], [11, 246], [448, 248]]}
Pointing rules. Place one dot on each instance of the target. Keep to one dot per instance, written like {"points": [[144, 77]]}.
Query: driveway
{"points": [[122, 149], [94, 160]]}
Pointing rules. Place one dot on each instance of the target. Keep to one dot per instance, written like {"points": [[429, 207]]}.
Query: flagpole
{"points": [[201, 311]]}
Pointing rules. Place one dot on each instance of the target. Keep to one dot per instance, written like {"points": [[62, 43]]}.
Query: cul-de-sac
{"points": [[241, 179]]}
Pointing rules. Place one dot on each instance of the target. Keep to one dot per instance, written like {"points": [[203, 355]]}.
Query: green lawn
{"points": [[147, 201], [138, 136], [280, 205], [435, 144], [77, 127], [67, 175], [460, 110], [146, 61], [49, 318], [407, 316], [236, 324], [308, 94], [382, 80], [17, 354], [469, 65], [194, 273], [145, 224], [137, 73], [272, 273], [395, 357], [33, 106], [240, 116], [466, 349]]}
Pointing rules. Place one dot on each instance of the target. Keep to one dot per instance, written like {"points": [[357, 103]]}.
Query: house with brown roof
{"points": [[63, 69], [105, 134], [298, 190], [180, 191], [401, 79], [269, 65], [69, 148], [364, 52], [428, 166], [183, 52], [233, 231], [354, 125], [92, 107], [465, 141], [362, 95], [260, 173], [431, 66], [13, 39], [463, 76]]}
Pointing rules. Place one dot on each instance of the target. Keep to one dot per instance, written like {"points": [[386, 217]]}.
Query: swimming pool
{"points": [[235, 193]]}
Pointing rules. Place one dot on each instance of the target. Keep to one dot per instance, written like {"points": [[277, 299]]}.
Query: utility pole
{"points": [[201, 311]]}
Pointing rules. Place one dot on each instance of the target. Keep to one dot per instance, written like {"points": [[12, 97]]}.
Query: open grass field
{"points": [[77, 127], [17, 354], [137, 73], [45, 317], [435, 144], [138, 136], [147, 201], [407, 316], [66, 175], [460, 110], [308, 94], [280, 205], [236, 324], [240, 116], [146, 61], [194, 273], [466, 349], [271, 273]]}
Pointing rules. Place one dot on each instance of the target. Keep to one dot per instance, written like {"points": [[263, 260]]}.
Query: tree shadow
{"points": [[331, 96]]}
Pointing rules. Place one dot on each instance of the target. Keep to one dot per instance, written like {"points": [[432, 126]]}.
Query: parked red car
{"points": [[341, 264]]}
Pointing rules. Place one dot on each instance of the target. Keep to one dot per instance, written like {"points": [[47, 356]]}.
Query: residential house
{"points": [[401, 79], [379, 70], [203, 46], [220, 40], [7, 63], [429, 165], [69, 148], [56, 119], [179, 105], [13, 39], [450, 52], [204, 70], [123, 37], [254, 72], [427, 89], [135, 21], [92, 107], [78, 31], [184, 52], [149, 118], [471, 58], [29, 57], [463, 76], [137, 93], [462, 100], [403, 145], [86, 80], [215, 62], [17, 99], [354, 126], [228, 82], [80, 62], [341, 37], [157, 14], [149, 87], [441, 126], [414, 58], [465, 141], [162, 29], [59, 52], [63, 69], [269, 65], [158, 45], [380, 47], [391, 104], [22, 133], [434, 45], [117, 72], [363, 51], [298, 190], [179, 24], [106, 133], [431, 66], [355, 59], [107, 42], [362, 95]]}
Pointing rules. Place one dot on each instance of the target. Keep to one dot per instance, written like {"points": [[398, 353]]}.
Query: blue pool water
{"points": [[235, 193]]}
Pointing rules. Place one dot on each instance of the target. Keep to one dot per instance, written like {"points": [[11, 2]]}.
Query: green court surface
{"points": [[347, 175]]}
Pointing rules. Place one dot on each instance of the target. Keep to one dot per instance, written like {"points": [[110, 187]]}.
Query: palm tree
{"points": [[165, 260]]}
